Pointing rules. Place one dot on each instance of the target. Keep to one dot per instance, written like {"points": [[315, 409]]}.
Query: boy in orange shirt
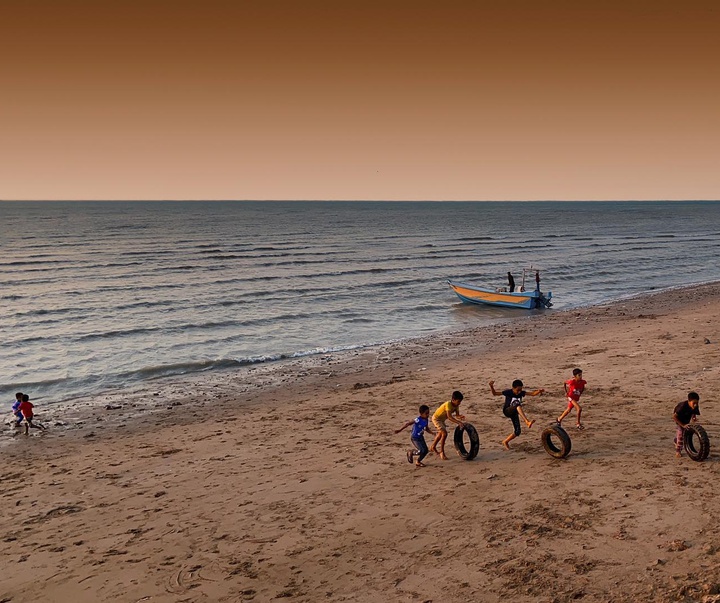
{"points": [[573, 390], [26, 408]]}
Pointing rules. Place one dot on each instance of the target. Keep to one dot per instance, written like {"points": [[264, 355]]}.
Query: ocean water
{"points": [[96, 296]]}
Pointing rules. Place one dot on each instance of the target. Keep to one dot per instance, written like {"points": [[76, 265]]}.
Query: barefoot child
{"points": [[26, 408], [417, 437], [16, 409], [449, 411], [512, 408], [685, 412], [573, 390]]}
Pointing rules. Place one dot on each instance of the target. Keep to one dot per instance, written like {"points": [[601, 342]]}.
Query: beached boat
{"points": [[502, 296]]}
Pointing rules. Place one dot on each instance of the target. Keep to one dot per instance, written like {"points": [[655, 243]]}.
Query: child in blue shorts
{"points": [[417, 437], [16, 409]]}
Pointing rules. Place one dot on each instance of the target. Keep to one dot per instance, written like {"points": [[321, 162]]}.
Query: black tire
{"points": [[696, 442], [560, 449], [472, 433]]}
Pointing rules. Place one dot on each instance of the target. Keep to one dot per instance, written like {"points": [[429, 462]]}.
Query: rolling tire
{"points": [[560, 449], [472, 433], [696, 450]]}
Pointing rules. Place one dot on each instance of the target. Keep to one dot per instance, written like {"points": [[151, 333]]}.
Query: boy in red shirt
{"points": [[26, 408], [573, 390]]}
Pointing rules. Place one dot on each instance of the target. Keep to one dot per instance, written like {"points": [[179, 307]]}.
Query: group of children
{"points": [[23, 411], [684, 413]]}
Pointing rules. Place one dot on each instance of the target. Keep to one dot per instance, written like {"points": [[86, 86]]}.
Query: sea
{"points": [[97, 296]]}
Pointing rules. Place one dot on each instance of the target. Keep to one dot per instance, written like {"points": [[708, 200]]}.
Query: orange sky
{"points": [[359, 100]]}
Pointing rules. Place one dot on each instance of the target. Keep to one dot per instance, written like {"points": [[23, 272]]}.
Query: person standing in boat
{"points": [[511, 282]]}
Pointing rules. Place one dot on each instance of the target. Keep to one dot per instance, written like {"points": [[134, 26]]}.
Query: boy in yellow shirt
{"points": [[449, 411]]}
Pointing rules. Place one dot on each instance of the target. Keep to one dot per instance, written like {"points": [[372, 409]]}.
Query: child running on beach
{"points": [[417, 437], [573, 390], [684, 413], [512, 408], [26, 408], [16, 409], [449, 411]]}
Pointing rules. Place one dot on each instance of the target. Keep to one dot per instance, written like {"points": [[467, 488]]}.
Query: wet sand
{"points": [[287, 482]]}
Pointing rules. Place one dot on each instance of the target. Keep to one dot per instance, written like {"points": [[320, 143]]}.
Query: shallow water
{"points": [[100, 295]]}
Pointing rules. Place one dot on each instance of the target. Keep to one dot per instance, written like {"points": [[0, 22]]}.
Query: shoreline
{"points": [[137, 388], [125, 405], [290, 484]]}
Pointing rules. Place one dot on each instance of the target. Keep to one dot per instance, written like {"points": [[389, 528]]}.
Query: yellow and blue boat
{"points": [[527, 300]]}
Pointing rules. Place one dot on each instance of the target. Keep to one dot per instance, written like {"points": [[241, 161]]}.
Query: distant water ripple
{"points": [[100, 295]]}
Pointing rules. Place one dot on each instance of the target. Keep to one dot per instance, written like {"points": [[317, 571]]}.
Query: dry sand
{"points": [[287, 482]]}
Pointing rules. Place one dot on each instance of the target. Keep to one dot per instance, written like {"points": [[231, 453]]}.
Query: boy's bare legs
{"points": [[566, 412], [678, 441], [433, 446], [506, 441], [443, 436], [524, 418]]}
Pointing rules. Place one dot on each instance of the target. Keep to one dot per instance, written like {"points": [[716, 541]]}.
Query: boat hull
{"points": [[526, 300]]}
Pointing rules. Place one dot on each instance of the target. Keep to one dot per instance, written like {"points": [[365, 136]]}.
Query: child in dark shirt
{"points": [[684, 413], [417, 437], [512, 408]]}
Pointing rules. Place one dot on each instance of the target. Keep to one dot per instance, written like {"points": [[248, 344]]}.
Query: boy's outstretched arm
{"points": [[430, 431], [537, 392], [404, 426], [492, 389]]}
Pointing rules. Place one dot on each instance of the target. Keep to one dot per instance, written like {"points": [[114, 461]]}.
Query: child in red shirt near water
{"points": [[26, 408], [573, 390]]}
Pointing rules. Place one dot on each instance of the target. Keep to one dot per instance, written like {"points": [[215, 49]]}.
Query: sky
{"points": [[377, 100]]}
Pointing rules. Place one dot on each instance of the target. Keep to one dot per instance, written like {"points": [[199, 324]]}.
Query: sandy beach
{"points": [[287, 482]]}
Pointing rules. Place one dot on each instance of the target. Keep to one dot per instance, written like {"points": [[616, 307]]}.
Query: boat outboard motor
{"points": [[543, 302]]}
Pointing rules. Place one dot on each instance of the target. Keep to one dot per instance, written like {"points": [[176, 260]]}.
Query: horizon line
{"points": [[356, 200]]}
